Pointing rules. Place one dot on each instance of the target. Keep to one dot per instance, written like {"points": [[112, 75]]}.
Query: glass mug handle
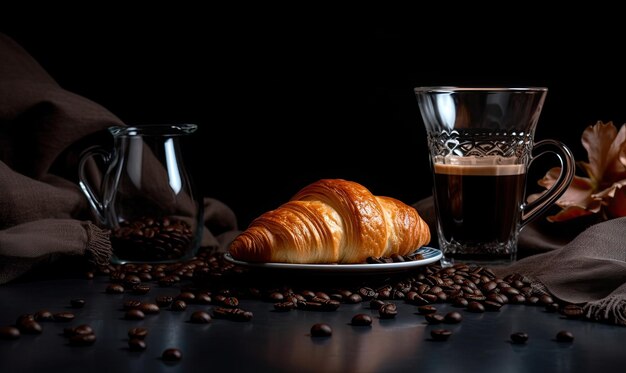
{"points": [[541, 204], [94, 200]]}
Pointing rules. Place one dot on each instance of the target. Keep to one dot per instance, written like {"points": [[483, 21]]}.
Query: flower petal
{"points": [[616, 166], [610, 191], [617, 205], [598, 140], [577, 194]]}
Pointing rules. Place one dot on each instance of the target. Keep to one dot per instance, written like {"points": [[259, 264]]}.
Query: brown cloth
{"points": [[590, 270], [43, 129], [586, 268]]}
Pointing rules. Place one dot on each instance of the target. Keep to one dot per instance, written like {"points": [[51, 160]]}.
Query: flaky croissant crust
{"points": [[332, 221]]}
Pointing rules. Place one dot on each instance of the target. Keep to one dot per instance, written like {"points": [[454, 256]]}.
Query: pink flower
{"points": [[601, 191]]}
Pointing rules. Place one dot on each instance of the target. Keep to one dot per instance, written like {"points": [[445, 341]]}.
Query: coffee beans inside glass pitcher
{"points": [[152, 239]]}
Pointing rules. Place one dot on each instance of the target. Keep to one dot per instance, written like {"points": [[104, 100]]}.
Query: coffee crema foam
{"points": [[479, 170]]}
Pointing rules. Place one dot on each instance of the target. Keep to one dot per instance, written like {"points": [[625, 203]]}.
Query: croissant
{"points": [[332, 221]]}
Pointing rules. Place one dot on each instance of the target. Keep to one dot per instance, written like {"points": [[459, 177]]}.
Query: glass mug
{"points": [[141, 192], [481, 143]]}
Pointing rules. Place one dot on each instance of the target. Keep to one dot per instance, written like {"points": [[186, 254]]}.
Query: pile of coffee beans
{"points": [[152, 239], [209, 279]]}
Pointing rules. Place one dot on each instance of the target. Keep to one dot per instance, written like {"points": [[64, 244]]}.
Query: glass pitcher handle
{"points": [[541, 204], [94, 200]]}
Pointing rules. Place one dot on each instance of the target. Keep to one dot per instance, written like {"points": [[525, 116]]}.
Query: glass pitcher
{"points": [[144, 194]]}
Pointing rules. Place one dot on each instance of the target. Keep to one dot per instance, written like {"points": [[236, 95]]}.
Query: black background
{"points": [[283, 102]]}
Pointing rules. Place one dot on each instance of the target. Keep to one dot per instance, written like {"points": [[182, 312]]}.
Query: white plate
{"points": [[429, 255]]}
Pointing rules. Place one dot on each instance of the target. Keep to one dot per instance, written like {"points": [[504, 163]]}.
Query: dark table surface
{"points": [[275, 341]]}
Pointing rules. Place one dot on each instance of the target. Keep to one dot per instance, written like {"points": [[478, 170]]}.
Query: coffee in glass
{"points": [[481, 142]]}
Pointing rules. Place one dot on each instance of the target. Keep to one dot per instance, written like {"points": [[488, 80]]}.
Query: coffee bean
{"points": [[532, 300], [131, 304], [149, 308], [284, 306], [440, 334], [167, 281], [475, 307], [322, 295], [320, 304], [397, 258], [519, 338], [172, 354], [434, 318], [117, 276], [200, 317], [453, 317], [321, 330], [492, 306], [307, 294], [367, 293], [388, 311], [231, 302], [136, 344], [429, 298], [9, 332], [25, 318], [517, 299], [235, 314], [141, 289], [375, 304], [137, 333], [82, 339], [503, 299], [435, 290], [186, 296], [572, 311], [475, 297], [384, 294], [373, 260], [460, 302], [164, 300], [64, 316], [426, 310], [30, 327], [361, 319], [43, 315], [145, 276], [565, 336], [178, 305], [354, 298], [78, 330], [336, 296], [202, 298], [489, 286], [114, 289], [131, 281], [510, 291], [545, 300], [77, 303], [134, 314]]}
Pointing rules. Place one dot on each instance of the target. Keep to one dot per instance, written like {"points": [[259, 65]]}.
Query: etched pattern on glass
{"points": [[480, 144]]}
